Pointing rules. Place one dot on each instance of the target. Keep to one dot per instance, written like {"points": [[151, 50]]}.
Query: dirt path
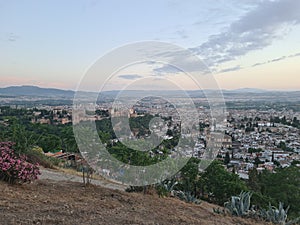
{"points": [[61, 176]]}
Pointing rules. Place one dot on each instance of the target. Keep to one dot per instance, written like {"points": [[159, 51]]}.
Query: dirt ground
{"points": [[66, 202], [71, 175]]}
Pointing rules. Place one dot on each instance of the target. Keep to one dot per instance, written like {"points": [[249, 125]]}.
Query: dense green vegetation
{"points": [[131, 156], [215, 184], [27, 135], [282, 186], [17, 127]]}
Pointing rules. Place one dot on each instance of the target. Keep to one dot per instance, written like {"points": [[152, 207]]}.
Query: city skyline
{"points": [[246, 44]]}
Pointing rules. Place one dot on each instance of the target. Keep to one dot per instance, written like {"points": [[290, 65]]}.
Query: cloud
{"points": [[256, 30], [258, 64], [130, 76], [165, 70], [276, 60], [294, 55], [262, 23], [182, 34], [12, 37], [179, 60], [231, 69]]}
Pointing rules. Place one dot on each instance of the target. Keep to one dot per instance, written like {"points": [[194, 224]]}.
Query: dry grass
{"points": [[50, 202], [79, 174]]}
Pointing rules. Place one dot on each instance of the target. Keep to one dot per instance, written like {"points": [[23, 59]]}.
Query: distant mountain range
{"points": [[36, 91], [58, 93], [247, 90]]}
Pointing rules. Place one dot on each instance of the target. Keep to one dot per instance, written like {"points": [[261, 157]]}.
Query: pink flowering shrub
{"points": [[14, 168]]}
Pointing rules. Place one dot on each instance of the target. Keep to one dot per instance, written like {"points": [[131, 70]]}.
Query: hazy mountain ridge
{"points": [[35, 91], [52, 93]]}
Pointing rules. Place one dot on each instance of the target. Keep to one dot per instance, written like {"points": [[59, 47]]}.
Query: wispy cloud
{"points": [[294, 55], [264, 22], [166, 69], [182, 34], [276, 60], [130, 76], [10, 37], [258, 64], [231, 69], [255, 30]]}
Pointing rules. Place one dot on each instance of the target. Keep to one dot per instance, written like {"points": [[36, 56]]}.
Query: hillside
{"points": [[65, 202], [35, 91]]}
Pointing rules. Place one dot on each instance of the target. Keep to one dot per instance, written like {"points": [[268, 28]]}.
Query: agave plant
{"points": [[169, 185], [239, 205], [275, 215], [187, 197], [166, 188]]}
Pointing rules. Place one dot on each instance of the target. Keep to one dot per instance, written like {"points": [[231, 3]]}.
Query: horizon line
{"points": [[224, 89]]}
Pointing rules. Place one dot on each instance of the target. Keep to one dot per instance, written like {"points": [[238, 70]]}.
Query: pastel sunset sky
{"points": [[245, 43]]}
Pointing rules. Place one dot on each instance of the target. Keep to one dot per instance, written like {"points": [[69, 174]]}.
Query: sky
{"points": [[243, 43]]}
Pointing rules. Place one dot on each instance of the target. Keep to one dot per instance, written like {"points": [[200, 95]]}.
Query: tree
{"points": [[227, 158], [68, 139], [169, 132], [24, 140], [282, 186], [283, 146], [257, 161], [219, 184], [276, 163], [50, 142], [189, 176], [253, 180]]}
